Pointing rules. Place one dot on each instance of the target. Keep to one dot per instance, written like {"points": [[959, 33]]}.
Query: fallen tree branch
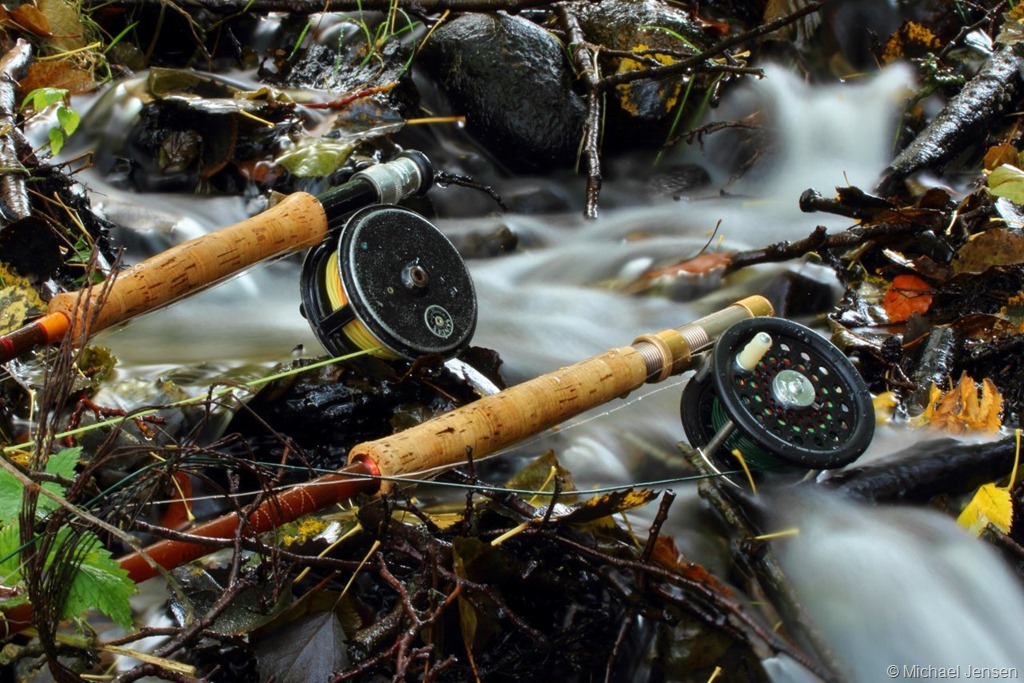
{"points": [[819, 240]]}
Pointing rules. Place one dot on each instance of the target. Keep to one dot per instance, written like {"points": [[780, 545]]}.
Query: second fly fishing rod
{"points": [[483, 427], [399, 290]]}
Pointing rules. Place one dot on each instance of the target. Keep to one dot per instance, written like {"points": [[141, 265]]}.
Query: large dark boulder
{"points": [[511, 80]]}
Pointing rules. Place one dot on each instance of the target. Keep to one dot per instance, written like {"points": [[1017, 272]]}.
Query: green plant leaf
{"points": [[316, 159], [10, 498], [10, 555], [100, 583], [41, 98], [68, 119], [62, 464], [56, 140], [1007, 181]]}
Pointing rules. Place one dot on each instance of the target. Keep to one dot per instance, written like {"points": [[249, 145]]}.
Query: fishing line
{"points": [[651, 484], [355, 330]]}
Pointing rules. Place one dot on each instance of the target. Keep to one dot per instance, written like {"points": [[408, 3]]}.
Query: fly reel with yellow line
{"points": [[781, 396], [391, 284]]}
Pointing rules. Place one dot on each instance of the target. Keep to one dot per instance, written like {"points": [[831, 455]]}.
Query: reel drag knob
{"points": [[390, 283], [783, 396]]}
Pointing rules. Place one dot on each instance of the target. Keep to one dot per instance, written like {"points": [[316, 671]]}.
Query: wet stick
{"points": [[491, 423]]}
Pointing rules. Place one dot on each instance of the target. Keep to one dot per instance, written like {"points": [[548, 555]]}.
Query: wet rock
{"points": [[638, 26], [511, 80]]}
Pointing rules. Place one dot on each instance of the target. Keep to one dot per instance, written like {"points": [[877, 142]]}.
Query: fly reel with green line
{"points": [[391, 284], [782, 396]]}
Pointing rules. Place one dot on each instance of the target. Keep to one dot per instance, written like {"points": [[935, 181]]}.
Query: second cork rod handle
{"points": [[493, 422]]}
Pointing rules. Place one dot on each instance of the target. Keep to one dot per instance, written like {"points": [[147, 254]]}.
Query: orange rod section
{"points": [[281, 509]]}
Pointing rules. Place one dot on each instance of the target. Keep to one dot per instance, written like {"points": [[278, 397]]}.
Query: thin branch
{"points": [[586, 65]]}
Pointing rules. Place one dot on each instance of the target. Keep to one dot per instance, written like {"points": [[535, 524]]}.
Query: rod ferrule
{"points": [[409, 174], [671, 352]]}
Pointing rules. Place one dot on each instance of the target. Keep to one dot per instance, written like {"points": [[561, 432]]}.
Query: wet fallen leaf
{"points": [[540, 475], [65, 24], [64, 74], [962, 410], [316, 159], [884, 404], [609, 504], [990, 248], [1007, 181], [997, 155], [667, 555], [312, 648], [17, 298], [910, 40], [907, 295], [1012, 30], [475, 560], [991, 504], [29, 18]]}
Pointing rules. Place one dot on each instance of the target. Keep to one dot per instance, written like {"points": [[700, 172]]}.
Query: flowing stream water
{"points": [[887, 586]]}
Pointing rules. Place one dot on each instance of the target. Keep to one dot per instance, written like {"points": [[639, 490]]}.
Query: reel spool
{"points": [[783, 396], [390, 283]]}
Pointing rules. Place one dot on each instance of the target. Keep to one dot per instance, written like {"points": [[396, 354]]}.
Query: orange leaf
{"points": [[31, 19], [907, 295], [998, 155], [962, 410]]}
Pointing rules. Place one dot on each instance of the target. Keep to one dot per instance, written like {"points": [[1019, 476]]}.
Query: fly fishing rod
{"points": [[400, 290], [481, 428]]}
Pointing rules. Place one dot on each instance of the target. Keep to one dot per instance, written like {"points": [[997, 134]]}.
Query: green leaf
{"points": [[41, 98], [100, 583], [316, 159], [10, 555], [10, 498], [61, 464], [1007, 181], [56, 140], [68, 119]]}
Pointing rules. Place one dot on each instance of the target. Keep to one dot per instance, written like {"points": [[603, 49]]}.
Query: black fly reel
{"points": [[389, 283], [781, 395]]}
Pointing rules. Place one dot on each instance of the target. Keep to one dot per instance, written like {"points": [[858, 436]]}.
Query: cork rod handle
{"points": [[493, 422], [496, 421], [297, 222]]}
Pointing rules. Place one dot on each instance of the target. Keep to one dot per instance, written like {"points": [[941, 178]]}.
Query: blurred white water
{"points": [[886, 586]]}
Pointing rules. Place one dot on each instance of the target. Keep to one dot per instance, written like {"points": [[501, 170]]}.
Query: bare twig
{"points": [[586, 66]]}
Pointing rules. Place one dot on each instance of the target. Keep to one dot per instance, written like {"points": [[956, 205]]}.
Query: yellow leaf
{"points": [[990, 505], [884, 404]]}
